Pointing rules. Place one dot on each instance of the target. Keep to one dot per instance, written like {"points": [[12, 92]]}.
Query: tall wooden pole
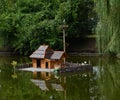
{"points": [[64, 46], [64, 27]]}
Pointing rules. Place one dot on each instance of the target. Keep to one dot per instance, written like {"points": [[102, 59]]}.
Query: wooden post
{"points": [[64, 46], [64, 27]]}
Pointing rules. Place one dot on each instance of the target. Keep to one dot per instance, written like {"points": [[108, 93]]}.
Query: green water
{"points": [[101, 84]]}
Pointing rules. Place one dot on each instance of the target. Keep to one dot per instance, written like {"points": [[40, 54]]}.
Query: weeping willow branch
{"points": [[110, 43], [108, 31]]}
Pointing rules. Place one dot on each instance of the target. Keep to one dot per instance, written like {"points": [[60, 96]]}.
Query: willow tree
{"points": [[108, 27]]}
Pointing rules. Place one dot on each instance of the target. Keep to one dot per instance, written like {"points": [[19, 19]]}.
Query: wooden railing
{"points": [[74, 67], [24, 65]]}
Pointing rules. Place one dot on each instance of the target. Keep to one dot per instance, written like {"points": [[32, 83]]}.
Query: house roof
{"points": [[44, 51], [57, 55], [43, 47], [40, 52]]}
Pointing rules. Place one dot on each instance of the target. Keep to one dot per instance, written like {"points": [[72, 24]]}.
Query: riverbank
{"points": [[69, 53], [2, 53], [5, 51], [87, 54]]}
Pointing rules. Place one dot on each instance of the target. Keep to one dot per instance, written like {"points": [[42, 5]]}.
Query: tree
{"points": [[78, 15], [25, 24], [108, 30]]}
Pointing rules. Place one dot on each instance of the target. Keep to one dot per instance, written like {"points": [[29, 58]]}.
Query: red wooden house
{"points": [[45, 57]]}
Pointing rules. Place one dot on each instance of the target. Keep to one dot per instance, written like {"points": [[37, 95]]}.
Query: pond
{"points": [[101, 84]]}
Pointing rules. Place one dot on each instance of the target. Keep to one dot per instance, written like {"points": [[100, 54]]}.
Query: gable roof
{"points": [[40, 52], [57, 55], [44, 51]]}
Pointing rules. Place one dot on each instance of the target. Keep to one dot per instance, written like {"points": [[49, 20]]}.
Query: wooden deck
{"points": [[36, 69], [65, 67], [75, 67]]}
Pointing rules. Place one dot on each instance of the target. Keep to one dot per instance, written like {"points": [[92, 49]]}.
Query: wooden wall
{"points": [[51, 64], [34, 63]]}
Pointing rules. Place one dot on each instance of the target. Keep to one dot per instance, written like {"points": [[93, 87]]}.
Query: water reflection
{"points": [[101, 84], [42, 75], [68, 86], [50, 78], [109, 79]]}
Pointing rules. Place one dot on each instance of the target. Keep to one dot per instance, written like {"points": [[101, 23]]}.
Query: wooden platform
{"points": [[36, 69], [65, 67], [75, 67]]}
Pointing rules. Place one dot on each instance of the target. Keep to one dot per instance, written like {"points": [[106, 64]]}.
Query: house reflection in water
{"points": [[47, 81], [57, 83], [64, 83], [43, 75]]}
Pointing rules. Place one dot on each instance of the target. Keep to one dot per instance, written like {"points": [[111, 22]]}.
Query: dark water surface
{"points": [[101, 84]]}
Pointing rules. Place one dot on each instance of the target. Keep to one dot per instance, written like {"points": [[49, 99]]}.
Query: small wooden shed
{"points": [[45, 57]]}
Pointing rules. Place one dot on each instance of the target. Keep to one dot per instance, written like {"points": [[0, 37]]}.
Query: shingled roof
{"points": [[40, 52], [57, 55], [44, 51]]}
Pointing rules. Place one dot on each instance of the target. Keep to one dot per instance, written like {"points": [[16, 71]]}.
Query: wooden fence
{"points": [[24, 65]]}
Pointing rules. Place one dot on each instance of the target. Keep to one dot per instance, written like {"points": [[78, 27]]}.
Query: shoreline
{"points": [[87, 54], [69, 53], [2, 53]]}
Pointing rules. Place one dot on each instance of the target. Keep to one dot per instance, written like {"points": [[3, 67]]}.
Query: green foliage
{"points": [[25, 24], [78, 15], [108, 30], [14, 63]]}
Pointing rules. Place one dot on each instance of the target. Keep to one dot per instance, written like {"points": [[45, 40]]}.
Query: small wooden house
{"points": [[45, 57]]}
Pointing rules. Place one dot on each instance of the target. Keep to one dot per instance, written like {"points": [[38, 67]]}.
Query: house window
{"points": [[46, 64], [38, 63]]}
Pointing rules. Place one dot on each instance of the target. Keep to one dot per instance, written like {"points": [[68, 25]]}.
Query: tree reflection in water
{"points": [[109, 79]]}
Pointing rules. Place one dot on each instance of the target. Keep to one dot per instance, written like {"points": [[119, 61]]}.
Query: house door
{"points": [[38, 63], [46, 64]]}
